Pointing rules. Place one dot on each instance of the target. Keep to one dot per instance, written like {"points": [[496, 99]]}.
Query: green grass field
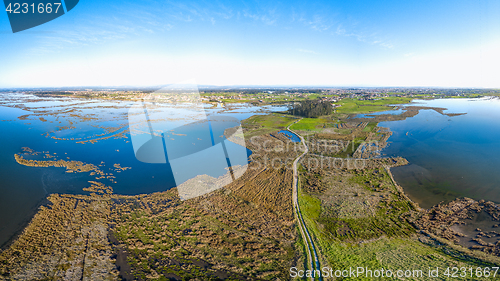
{"points": [[312, 124], [308, 124], [354, 106], [370, 127], [387, 242], [265, 124], [396, 254]]}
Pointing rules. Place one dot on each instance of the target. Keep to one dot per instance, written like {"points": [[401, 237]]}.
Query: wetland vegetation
{"points": [[355, 211]]}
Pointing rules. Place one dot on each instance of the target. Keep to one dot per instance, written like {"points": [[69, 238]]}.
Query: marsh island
{"points": [[363, 196]]}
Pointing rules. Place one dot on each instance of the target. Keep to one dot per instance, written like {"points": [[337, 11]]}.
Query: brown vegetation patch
{"points": [[243, 231], [470, 223], [71, 166], [65, 240], [358, 202]]}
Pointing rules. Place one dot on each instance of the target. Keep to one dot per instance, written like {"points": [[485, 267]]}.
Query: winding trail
{"points": [[306, 237]]}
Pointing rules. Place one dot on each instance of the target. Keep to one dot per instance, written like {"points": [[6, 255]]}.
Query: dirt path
{"points": [[306, 237]]}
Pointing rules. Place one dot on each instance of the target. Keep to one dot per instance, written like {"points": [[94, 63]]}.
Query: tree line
{"points": [[311, 108]]}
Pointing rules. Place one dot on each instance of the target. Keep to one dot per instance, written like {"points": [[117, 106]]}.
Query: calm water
{"points": [[293, 137], [56, 125], [449, 157], [372, 115]]}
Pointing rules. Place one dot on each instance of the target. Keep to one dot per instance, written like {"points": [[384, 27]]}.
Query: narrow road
{"points": [[306, 237]]}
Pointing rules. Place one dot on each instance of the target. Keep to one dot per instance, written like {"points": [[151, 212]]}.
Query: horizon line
{"points": [[236, 86]]}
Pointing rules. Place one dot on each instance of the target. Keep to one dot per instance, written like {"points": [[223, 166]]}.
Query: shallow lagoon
{"points": [[58, 126], [374, 114], [449, 157], [293, 137]]}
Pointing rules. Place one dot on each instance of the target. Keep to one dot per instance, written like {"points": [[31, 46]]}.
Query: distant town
{"points": [[268, 95]]}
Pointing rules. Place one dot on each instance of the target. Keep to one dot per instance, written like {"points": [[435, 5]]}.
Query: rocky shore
{"points": [[466, 222]]}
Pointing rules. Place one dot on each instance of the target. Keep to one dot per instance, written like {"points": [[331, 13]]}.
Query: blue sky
{"points": [[322, 43]]}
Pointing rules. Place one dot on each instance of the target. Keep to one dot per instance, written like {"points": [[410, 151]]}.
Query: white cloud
{"points": [[307, 51], [319, 23], [362, 36]]}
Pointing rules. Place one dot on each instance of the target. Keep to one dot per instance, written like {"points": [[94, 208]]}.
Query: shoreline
{"points": [[24, 224], [455, 235], [235, 139], [401, 191]]}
